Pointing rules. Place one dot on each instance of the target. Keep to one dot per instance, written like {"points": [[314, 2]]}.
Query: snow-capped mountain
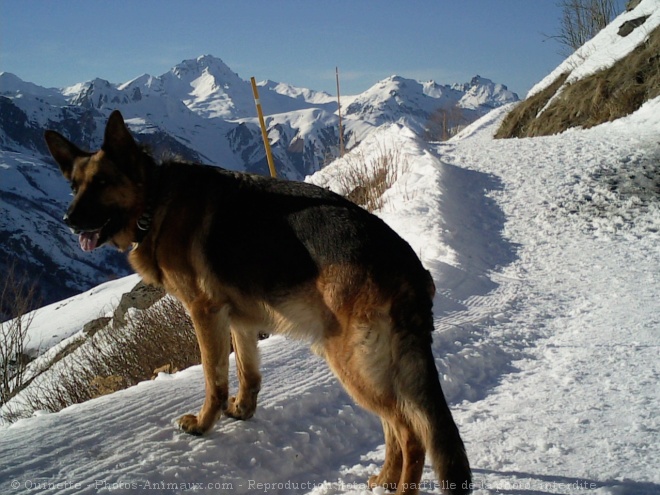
{"points": [[483, 93], [201, 111], [412, 103]]}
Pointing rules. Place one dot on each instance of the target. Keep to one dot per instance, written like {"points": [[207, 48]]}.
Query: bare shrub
{"points": [[116, 358], [445, 123], [581, 20], [366, 178], [17, 296]]}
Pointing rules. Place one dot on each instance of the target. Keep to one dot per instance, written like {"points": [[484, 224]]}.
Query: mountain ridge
{"points": [[208, 88], [200, 110]]}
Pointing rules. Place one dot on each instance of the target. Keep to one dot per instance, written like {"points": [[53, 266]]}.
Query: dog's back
{"points": [[265, 236]]}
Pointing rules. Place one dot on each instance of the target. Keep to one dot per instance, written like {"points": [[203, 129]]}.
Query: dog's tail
{"points": [[423, 404]]}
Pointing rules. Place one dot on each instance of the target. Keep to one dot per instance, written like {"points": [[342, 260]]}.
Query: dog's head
{"points": [[107, 186]]}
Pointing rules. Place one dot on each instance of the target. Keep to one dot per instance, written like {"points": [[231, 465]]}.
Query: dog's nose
{"points": [[65, 218]]}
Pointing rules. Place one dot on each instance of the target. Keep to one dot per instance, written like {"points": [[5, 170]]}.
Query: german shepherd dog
{"points": [[246, 253]]}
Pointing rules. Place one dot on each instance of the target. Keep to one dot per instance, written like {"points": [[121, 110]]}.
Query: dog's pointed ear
{"points": [[63, 151], [117, 140]]}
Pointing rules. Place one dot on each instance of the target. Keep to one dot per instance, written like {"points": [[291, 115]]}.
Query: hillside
{"points": [[590, 88], [200, 110]]}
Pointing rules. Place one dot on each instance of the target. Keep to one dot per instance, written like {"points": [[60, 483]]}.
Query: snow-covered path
{"points": [[580, 411], [127, 442]]}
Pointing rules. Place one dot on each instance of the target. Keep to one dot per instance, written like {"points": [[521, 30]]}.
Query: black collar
{"points": [[145, 220]]}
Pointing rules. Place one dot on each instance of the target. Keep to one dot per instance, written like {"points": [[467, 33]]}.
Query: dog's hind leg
{"points": [[211, 322], [413, 455], [249, 378], [391, 472], [363, 359]]}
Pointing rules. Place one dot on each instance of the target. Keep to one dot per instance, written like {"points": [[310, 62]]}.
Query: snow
{"points": [[308, 95], [57, 322], [588, 381], [546, 340], [12, 84]]}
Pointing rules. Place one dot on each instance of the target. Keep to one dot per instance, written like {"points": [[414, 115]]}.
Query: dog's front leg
{"points": [[211, 323], [247, 368]]}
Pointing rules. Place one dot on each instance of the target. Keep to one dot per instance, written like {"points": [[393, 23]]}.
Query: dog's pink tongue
{"points": [[88, 240]]}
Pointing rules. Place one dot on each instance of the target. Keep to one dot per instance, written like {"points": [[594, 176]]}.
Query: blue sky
{"points": [[59, 43]]}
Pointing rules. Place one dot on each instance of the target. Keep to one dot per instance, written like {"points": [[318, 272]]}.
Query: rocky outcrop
{"points": [[141, 297]]}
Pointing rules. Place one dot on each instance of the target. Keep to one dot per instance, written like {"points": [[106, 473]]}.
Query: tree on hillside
{"points": [[582, 19], [445, 123], [17, 296]]}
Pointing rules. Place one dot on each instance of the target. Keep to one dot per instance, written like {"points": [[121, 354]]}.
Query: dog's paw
{"points": [[190, 424], [382, 480], [239, 410]]}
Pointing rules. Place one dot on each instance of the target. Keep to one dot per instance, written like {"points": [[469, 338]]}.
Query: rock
{"points": [[629, 26], [91, 327], [142, 296], [170, 369]]}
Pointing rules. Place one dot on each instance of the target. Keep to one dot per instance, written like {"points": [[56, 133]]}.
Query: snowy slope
{"points": [[33, 199], [547, 342], [58, 321], [606, 47], [582, 403]]}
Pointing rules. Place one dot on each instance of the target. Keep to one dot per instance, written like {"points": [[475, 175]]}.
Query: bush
{"points": [[17, 296], [113, 359], [365, 179], [581, 20], [445, 123]]}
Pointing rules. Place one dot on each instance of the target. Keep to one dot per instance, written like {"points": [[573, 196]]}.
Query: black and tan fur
{"points": [[247, 254]]}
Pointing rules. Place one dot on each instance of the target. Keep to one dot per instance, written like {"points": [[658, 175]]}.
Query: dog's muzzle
{"points": [[87, 238]]}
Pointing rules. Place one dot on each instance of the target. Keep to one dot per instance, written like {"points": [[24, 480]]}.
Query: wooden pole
{"points": [[264, 133], [341, 131]]}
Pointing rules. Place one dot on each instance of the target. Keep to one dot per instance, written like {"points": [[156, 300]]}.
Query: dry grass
{"points": [[517, 122], [601, 97], [367, 178], [115, 358]]}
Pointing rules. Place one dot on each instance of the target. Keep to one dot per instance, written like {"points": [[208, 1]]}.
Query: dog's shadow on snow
{"points": [[519, 483]]}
